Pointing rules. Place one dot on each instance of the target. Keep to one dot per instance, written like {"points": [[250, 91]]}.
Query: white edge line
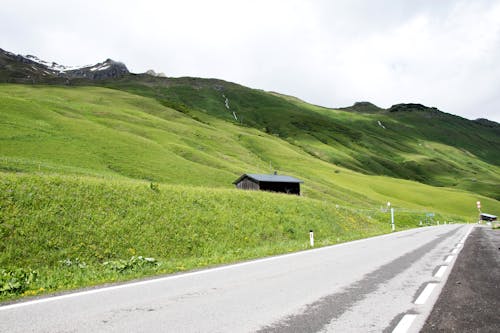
{"points": [[189, 274], [447, 260], [424, 295], [454, 251], [405, 323], [440, 272], [204, 271]]}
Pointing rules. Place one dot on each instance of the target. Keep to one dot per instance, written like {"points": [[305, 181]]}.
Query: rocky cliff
{"points": [[30, 69]]}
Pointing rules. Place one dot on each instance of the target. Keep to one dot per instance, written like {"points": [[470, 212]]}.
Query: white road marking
{"points": [[405, 323], [448, 259], [424, 295], [454, 251], [183, 275], [440, 272]]}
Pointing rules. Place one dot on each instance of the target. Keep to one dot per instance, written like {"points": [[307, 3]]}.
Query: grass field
{"points": [[77, 231], [414, 143], [107, 133], [91, 178]]}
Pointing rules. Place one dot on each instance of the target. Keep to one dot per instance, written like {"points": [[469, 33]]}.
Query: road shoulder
{"points": [[470, 300]]}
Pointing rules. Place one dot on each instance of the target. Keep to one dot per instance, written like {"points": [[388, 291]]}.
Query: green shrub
{"points": [[16, 281]]}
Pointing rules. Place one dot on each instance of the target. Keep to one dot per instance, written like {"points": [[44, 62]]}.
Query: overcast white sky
{"points": [[442, 53]]}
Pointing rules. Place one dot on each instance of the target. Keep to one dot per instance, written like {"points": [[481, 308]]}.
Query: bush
{"points": [[16, 281]]}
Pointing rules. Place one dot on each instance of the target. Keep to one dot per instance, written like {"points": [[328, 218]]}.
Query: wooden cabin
{"points": [[272, 183]]}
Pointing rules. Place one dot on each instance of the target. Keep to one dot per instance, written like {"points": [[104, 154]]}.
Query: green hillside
{"points": [[108, 133], [93, 177], [407, 141], [79, 231]]}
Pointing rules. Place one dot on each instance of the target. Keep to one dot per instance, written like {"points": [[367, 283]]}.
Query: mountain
{"points": [[107, 175], [30, 69], [487, 123], [407, 141]]}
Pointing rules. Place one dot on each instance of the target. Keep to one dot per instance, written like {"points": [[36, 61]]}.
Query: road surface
{"points": [[386, 283], [470, 300]]}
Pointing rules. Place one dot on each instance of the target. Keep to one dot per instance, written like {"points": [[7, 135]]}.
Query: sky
{"points": [[332, 53]]}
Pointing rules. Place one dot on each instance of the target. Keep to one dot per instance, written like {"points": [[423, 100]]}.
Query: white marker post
{"points": [[479, 209], [311, 237], [392, 215], [392, 219]]}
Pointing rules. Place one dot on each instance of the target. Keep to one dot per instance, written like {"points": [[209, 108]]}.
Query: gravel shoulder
{"points": [[470, 300]]}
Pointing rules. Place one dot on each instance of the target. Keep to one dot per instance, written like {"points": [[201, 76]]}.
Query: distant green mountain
{"points": [[101, 168], [407, 141]]}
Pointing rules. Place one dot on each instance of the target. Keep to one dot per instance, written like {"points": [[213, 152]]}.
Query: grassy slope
{"points": [[87, 157], [48, 219], [102, 132], [430, 147]]}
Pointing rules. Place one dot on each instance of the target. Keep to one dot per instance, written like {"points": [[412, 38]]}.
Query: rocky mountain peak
{"points": [[412, 107], [30, 68], [107, 69]]}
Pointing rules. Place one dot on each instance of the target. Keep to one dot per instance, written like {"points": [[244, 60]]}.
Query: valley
{"points": [[122, 166]]}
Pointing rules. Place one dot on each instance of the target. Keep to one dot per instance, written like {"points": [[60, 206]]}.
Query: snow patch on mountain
{"points": [[54, 66], [99, 67]]}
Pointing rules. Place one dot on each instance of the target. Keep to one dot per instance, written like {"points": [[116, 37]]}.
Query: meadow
{"points": [[74, 231], [100, 185], [410, 142]]}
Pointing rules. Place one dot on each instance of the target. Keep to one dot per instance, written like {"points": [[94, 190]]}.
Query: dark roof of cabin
{"points": [[269, 178]]}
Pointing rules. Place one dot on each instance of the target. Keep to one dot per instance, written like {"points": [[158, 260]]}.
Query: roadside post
{"points": [[392, 219], [479, 209], [392, 216], [311, 237]]}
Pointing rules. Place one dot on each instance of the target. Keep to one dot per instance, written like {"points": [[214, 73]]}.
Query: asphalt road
{"points": [[470, 300], [370, 285]]}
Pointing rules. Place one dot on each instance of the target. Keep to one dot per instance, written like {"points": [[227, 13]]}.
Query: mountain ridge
{"points": [[111, 69], [37, 70], [407, 141], [94, 171]]}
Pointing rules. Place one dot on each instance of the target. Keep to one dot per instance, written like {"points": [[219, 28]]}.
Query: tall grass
{"points": [[112, 134], [93, 181], [66, 228], [427, 146]]}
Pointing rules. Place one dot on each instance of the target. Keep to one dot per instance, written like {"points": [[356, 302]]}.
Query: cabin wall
{"points": [[280, 187], [247, 184], [289, 188]]}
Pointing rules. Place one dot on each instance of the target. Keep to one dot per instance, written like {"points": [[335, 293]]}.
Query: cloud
{"points": [[333, 53]]}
